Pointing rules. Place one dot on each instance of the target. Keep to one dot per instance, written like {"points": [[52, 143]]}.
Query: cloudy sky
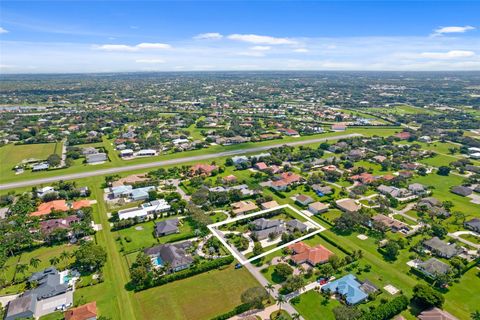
{"points": [[109, 36]]}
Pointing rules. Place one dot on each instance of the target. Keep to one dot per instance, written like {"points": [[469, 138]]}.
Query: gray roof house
{"points": [[264, 227], [51, 291], [462, 191], [40, 166], [173, 255], [433, 267], [473, 224], [441, 248], [294, 224], [417, 188], [429, 202], [166, 227]]}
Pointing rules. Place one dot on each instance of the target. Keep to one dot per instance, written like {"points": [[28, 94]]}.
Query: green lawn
{"points": [[312, 306], [462, 298], [11, 155], [42, 253], [442, 192], [144, 238], [200, 297]]}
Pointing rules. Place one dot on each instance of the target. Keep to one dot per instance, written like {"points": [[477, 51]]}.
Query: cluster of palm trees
{"points": [[280, 300], [22, 268]]}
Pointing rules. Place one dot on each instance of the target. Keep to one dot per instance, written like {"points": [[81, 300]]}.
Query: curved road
{"points": [[161, 163]]}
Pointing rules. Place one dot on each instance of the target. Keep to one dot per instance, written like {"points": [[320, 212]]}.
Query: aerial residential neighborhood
{"points": [[162, 160]]}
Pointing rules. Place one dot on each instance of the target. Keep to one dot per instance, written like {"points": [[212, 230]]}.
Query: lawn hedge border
{"points": [[237, 310], [333, 243], [197, 269]]}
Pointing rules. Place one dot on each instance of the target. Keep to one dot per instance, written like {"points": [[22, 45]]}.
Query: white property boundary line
{"points": [[214, 229]]}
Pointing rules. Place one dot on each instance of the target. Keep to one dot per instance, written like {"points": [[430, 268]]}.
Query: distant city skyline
{"points": [[111, 36]]}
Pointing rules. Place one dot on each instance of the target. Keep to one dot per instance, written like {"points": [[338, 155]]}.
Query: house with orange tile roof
{"points": [[47, 207], [85, 312], [201, 168], [303, 253], [80, 204], [59, 205]]}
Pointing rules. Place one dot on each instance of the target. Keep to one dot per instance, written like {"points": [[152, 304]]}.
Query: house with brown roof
{"points": [[436, 314], [200, 168], [48, 226], [85, 312], [317, 207], [348, 205], [364, 178], [403, 135], [303, 199], [303, 253], [390, 223], [242, 207], [269, 204]]}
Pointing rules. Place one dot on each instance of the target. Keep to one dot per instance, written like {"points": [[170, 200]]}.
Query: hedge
{"points": [[387, 310], [197, 269], [237, 310], [333, 243]]}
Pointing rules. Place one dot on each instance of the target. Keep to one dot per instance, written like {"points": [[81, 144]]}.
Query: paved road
{"points": [[101, 172]]}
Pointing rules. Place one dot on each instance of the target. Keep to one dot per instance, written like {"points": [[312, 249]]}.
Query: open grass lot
{"points": [[442, 192], [141, 235], [463, 298], [11, 155], [115, 161], [402, 109], [200, 297], [312, 306], [377, 169]]}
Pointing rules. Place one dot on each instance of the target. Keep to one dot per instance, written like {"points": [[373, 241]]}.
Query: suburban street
{"points": [[154, 164]]}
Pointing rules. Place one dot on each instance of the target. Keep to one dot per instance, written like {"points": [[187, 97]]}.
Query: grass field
{"points": [[462, 298], [11, 155], [200, 297], [442, 192], [313, 306]]}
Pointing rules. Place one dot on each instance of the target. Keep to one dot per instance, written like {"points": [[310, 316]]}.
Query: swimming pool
{"points": [[157, 262]]}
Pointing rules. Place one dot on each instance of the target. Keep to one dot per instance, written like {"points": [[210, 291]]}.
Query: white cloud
{"points": [[138, 47], [453, 54], [258, 39], [147, 45], [208, 35], [260, 48], [3, 30], [150, 61], [443, 30], [301, 50]]}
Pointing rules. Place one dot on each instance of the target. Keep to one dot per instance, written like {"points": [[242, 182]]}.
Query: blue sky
{"points": [[106, 36]]}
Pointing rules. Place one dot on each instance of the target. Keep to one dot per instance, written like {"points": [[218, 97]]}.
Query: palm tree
{"points": [[64, 256], [295, 316], [475, 315], [54, 261], [280, 300], [22, 268], [269, 287], [34, 262]]}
